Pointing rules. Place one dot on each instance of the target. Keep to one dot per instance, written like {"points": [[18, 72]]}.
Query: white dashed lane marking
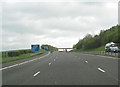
{"points": [[86, 61], [36, 74], [49, 64], [101, 70]]}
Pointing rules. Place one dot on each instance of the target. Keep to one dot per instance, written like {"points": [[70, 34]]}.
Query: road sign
{"points": [[35, 48], [46, 47]]}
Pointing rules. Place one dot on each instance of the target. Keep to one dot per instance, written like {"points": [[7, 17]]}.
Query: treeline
{"points": [[49, 47], [105, 36]]}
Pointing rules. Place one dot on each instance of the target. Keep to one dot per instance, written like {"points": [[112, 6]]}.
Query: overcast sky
{"points": [[60, 24]]}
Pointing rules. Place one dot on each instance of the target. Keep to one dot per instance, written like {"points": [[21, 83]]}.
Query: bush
{"points": [[14, 53]]}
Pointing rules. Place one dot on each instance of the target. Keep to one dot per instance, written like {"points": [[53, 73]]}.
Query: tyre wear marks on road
{"points": [[56, 57], [36, 73], [55, 83], [101, 70], [75, 56]]}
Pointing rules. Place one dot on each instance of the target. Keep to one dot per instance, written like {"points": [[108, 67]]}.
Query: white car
{"points": [[111, 47]]}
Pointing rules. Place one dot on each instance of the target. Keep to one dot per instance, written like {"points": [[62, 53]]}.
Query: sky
{"points": [[57, 23]]}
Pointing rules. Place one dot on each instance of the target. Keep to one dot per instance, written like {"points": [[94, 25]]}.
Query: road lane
{"points": [[20, 74], [109, 64], [61, 68]]}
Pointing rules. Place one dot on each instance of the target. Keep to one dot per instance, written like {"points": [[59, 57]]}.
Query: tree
{"points": [[105, 36]]}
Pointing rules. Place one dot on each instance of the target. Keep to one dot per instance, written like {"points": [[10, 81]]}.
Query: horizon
{"points": [[60, 24], [46, 44]]}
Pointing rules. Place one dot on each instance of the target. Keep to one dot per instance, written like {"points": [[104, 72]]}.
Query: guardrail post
{"points": [[119, 54], [103, 53]]}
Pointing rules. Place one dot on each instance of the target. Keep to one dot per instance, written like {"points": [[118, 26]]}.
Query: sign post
{"points": [[35, 48], [45, 47]]}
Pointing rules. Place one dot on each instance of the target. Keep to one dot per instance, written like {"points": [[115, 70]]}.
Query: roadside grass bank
{"points": [[21, 56], [98, 51], [102, 48]]}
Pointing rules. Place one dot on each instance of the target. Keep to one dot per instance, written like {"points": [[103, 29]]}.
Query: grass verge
{"points": [[23, 56], [102, 48]]}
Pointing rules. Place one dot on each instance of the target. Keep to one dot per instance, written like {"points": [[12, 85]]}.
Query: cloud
{"points": [[60, 24], [119, 13]]}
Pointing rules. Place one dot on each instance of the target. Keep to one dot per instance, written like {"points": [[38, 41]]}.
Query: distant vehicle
{"points": [[111, 47], [51, 51]]}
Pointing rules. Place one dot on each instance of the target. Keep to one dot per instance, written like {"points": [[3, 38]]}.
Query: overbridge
{"points": [[65, 49]]}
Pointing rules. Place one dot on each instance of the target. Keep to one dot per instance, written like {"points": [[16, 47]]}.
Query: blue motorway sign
{"points": [[35, 48], [46, 47]]}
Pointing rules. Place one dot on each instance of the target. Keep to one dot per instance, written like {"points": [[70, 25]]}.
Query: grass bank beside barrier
{"points": [[20, 56], [98, 51], [103, 53], [102, 48]]}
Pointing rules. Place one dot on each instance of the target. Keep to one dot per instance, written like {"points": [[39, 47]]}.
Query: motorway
{"points": [[62, 68]]}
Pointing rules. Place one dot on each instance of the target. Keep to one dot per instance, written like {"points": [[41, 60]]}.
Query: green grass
{"points": [[23, 56], [119, 47], [102, 48]]}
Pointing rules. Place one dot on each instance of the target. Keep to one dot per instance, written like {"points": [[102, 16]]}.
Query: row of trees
{"points": [[105, 36], [49, 47]]}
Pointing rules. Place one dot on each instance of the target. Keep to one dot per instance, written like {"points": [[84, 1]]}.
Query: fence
{"points": [[113, 54]]}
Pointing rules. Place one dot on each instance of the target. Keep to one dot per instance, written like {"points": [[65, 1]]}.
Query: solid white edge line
{"points": [[101, 70], [23, 62], [36, 74], [108, 57], [101, 56], [54, 59]]}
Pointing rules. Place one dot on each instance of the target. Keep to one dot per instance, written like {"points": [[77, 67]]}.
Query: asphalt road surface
{"points": [[62, 68]]}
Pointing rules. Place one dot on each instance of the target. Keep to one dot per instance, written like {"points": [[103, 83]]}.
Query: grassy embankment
{"points": [[21, 56], [102, 48], [98, 41]]}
